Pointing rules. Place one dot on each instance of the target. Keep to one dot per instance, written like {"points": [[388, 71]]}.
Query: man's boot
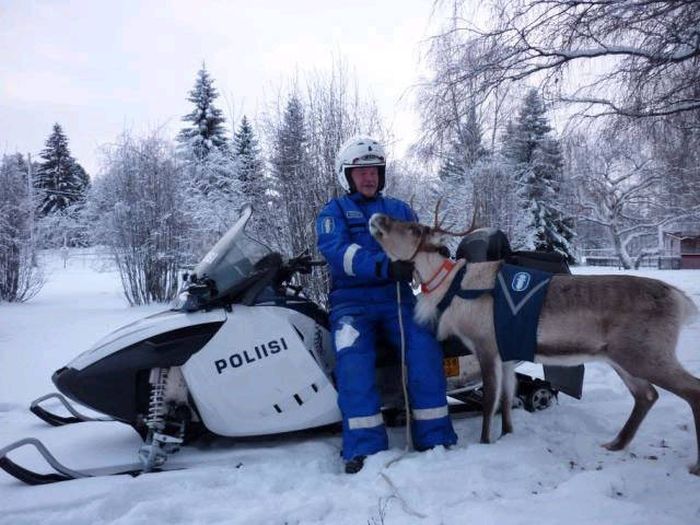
{"points": [[354, 465]]}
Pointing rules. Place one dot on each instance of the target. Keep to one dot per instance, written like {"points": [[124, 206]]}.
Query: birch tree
{"points": [[635, 58], [619, 181]]}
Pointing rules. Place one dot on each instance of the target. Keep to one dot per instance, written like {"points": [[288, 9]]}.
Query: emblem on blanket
{"points": [[518, 298], [521, 281]]}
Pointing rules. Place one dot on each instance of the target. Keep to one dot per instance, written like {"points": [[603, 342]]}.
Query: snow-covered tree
{"points": [[464, 151], [620, 182], [68, 227], [206, 130], [460, 185], [304, 133], [290, 167], [640, 57], [59, 179], [20, 278], [212, 196], [138, 208], [537, 163], [246, 151]]}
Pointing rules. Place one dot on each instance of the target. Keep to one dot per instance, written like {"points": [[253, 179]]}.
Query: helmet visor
{"points": [[369, 159]]}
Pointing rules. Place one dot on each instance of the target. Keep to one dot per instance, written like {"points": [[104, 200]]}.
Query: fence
{"points": [[606, 257]]}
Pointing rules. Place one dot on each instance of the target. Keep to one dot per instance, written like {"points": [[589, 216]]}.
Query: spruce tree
{"points": [[289, 165], [464, 151], [83, 179], [60, 179], [246, 151], [536, 158], [457, 175], [207, 124]]}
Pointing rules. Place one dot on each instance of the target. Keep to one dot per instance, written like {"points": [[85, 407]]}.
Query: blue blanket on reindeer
{"points": [[518, 297]]}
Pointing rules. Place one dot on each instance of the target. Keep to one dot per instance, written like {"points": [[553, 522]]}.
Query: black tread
{"points": [[28, 476], [54, 419]]}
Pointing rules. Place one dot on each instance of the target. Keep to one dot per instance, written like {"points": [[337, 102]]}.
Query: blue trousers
{"points": [[355, 331]]}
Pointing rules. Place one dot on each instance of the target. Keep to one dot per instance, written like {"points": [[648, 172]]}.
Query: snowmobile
{"points": [[241, 352]]}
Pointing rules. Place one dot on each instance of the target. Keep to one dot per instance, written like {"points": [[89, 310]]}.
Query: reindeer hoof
{"points": [[695, 469], [614, 445]]}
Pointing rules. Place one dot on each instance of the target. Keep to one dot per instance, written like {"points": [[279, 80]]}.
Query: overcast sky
{"points": [[98, 67]]}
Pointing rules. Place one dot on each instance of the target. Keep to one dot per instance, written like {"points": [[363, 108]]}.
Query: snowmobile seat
{"points": [[545, 261], [491, 244]]}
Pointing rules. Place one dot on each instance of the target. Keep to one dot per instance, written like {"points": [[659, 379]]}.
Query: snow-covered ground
{"points": [[552, 470]]}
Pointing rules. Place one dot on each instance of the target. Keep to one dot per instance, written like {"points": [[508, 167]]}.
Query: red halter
{"points": [[438, 278]]}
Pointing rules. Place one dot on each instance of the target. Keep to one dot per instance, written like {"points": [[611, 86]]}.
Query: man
{"points": [[364, 306]]}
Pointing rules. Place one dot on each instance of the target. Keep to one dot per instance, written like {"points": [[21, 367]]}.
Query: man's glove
{"points": [[401, 271]]}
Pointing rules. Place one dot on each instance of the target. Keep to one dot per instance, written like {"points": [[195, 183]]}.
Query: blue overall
{"points": [[363, 308]]}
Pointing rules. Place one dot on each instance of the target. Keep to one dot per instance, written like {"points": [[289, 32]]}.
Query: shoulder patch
{"points": [[327, 225]]}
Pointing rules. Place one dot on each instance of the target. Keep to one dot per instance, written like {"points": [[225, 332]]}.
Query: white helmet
{"points": [[359, 151]]}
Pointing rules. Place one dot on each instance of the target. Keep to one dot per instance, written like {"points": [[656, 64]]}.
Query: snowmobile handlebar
{"points": [[302, 264]]}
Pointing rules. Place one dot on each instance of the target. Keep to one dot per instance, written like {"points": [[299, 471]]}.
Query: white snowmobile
{"points": [[241, 352]]}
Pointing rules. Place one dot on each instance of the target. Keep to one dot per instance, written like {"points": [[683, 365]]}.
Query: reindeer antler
{"points": [[438, 225]]}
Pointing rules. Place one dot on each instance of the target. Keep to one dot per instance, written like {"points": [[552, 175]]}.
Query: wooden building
{"points": [[684, 245]]}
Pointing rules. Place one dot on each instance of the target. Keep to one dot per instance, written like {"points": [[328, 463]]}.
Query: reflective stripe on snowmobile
{"points": [[365, 422]]}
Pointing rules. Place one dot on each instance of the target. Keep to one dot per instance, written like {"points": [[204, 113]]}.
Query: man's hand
{"points": [[401, 271]]}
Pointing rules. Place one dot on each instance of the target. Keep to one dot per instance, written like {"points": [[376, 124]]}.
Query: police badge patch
{"points": [[521, 281]]}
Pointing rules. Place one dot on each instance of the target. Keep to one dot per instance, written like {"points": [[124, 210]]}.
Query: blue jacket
{"points": [[358, 265]]}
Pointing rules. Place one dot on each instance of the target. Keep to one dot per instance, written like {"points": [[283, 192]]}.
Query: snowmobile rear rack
{"points": [[56, 420]]}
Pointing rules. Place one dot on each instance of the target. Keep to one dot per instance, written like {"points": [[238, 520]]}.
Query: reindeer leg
{"points": [[507, 392], [645, 395], [491, 375], [670, 375], [686, 386]]}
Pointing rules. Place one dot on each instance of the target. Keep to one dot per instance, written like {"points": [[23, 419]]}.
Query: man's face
{"points": [[366, 179]]}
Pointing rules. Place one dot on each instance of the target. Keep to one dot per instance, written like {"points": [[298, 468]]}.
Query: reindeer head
{"points": [[403, 240]]}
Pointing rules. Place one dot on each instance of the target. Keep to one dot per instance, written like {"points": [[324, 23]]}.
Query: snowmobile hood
{"points": [[142, 329]]}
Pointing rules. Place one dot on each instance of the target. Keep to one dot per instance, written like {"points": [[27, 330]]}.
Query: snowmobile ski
{"points": [[56, 420], [64, 473]]}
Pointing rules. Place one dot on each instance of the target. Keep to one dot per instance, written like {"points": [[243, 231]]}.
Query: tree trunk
{"points": [[621, 250]]}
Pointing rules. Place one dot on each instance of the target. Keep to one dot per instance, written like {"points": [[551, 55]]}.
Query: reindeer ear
{"points": [[438, 239], [444, 251]]}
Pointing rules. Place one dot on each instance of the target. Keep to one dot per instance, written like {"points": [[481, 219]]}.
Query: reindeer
{"points": [[629, 322]]}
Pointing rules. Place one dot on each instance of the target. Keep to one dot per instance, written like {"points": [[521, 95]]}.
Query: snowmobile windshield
{"points": [[234, 258]]}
